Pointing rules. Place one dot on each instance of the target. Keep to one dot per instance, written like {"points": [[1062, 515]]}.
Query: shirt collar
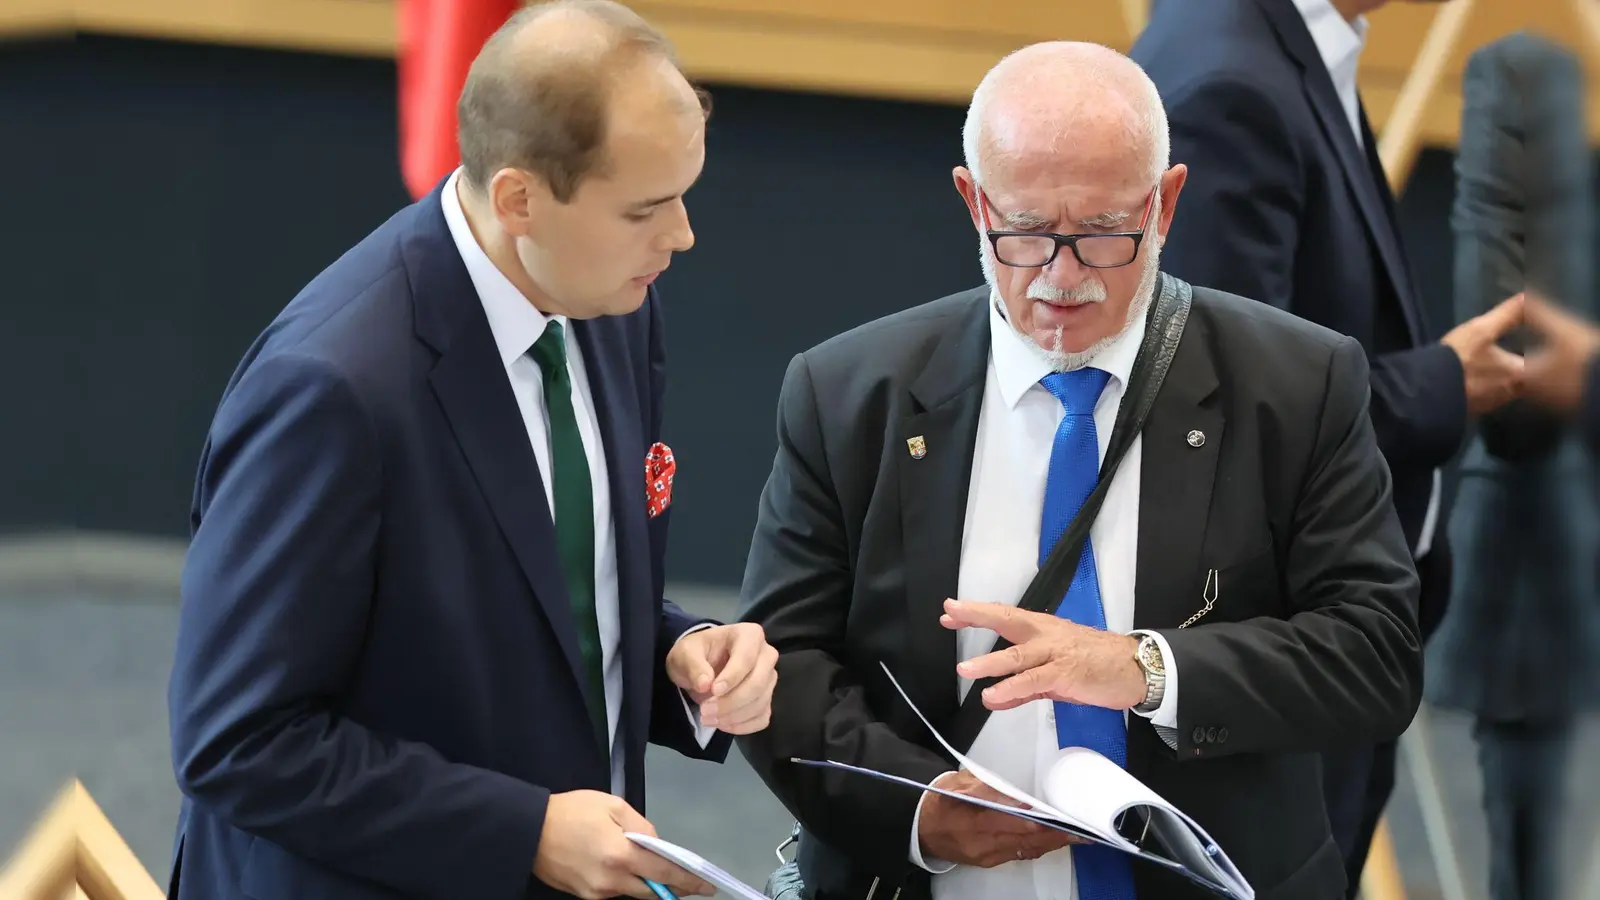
{"points": [[1338, 42], [515, 323], [1019, 366]]}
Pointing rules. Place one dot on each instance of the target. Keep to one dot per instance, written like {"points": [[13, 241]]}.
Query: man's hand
{"points": [[582, 851], [1558, 369], [969, 835], [1494, 375], [730, 671], [1050, 657]]}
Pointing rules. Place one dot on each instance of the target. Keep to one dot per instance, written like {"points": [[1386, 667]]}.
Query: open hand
{"points": [[1050, 658], [966, 834], [582, 851], [1493, 375], [730, 671]]}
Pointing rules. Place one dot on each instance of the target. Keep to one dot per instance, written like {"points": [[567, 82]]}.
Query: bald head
{"points": [[1072, 104], [556, 81]]}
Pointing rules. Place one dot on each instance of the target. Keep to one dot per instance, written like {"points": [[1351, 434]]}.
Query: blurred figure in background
{"points": [[1519, 645], [1288, 204]]}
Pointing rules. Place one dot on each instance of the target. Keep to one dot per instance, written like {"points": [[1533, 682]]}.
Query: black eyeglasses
{"points": [[1033, 249]]}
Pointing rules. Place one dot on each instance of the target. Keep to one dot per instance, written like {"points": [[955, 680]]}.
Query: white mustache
{"points": [[1086, 292]]}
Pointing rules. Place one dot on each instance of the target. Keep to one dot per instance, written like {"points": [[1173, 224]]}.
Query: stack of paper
{"points": [[1086, 795]]}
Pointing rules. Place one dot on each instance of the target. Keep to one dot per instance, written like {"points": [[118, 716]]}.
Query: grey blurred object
{"points": [[1518, 645]]}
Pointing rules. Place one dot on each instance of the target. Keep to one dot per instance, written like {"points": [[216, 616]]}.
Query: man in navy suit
{"points": [[1287, 204], [423, 642]]}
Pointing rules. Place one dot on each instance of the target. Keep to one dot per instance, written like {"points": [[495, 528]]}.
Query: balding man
{"points": [[1247, 598], [422, 642]]}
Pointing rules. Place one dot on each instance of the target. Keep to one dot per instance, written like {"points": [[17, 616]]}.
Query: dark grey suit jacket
{"points": [[1312, 644], [1525, 524]]}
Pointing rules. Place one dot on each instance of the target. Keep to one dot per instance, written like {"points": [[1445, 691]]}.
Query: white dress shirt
{"points": [[1339, 43], [1000, 555], [516, 325]]}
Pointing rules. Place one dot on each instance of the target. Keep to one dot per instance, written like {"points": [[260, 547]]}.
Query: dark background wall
{"points": [[162, 201]]}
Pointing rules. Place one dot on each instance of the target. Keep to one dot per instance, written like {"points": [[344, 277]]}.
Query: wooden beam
{"points": [[1136, 15], [74, 852], [1381, 880], [107, 868], [1403, 131], [42, 868]]}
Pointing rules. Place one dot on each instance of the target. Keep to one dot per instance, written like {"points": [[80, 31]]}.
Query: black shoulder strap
{"points": [[1168, 314]]}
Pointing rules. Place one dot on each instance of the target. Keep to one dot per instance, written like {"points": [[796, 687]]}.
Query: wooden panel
{"points": [[1014, 22], [24, 18], [355, 27], [933, 50]]}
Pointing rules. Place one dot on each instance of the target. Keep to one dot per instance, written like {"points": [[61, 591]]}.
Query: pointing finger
{"points": [[1505, 316]]}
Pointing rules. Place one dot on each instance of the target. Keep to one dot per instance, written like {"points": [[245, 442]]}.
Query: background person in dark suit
{"points": [[1519, 645], [920, 458], [1288, 204], [422, 642]]}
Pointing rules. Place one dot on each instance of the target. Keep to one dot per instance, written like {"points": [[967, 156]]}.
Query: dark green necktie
{"points": [[574, 512]]}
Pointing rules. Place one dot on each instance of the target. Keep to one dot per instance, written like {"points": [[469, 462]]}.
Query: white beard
{"points": [[1088, 292]]}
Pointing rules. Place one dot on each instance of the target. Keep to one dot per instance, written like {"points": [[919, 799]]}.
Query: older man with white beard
{"points": [[1243, 599]]}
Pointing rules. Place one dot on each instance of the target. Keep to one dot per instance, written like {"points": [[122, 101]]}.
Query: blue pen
{"points": [[662, 891]]}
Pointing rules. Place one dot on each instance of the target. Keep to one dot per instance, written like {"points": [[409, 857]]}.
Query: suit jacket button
{"points": [[1222, 735], [1211, 735], [1199, 735]]}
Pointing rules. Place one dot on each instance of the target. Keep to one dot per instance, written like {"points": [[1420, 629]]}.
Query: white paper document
{"points": [[1087, 795], [694, 863]]}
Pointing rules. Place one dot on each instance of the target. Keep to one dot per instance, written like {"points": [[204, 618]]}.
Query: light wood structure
{"points": [[1430, 88], [74, 852], [933, 50]]}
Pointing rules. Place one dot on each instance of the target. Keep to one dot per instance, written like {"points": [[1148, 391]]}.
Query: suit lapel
{"points": [[1175, 482], [934, 453], [476, 396], [472, 387], [603, 343], [1358, 171]]}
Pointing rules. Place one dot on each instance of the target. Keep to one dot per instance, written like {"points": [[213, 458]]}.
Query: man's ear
{"points": [[516, 197], [1171, 186], [967, 187]]}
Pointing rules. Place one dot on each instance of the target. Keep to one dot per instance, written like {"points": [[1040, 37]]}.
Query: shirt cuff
{"points": [[1165, 715], [702, 733], [934, 866]]}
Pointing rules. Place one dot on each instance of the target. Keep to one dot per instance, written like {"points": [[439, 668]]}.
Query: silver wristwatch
{"points": [[1148, 656]]}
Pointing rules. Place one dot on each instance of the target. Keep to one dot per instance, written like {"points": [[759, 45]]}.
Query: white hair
{"points": [[1058, 69]]}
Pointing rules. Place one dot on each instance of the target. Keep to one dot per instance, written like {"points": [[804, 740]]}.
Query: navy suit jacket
{"points": [[376, 683], [1283, 205]]}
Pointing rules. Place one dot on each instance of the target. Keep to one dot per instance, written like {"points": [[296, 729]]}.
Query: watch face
{"points": [[1150, 655]]}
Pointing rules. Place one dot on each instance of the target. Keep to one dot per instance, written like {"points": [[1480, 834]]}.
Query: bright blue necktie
{"points": [[1102, 873]]}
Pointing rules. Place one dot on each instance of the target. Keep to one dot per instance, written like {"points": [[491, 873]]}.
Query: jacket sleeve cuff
{"points": [[1165, 715], [702, 733], [934, 866]]}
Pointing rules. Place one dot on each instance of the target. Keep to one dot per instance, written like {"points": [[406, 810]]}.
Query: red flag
{"points": [[438, 41]]}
